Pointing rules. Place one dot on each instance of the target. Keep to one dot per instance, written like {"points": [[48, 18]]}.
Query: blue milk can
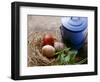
{"points": [[72, 30]]}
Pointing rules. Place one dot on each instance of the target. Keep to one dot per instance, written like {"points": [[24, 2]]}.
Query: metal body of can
{"points": [[72, 30]]}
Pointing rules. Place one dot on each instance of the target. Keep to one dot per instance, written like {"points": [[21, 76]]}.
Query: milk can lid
{"points": [[74, 23]]}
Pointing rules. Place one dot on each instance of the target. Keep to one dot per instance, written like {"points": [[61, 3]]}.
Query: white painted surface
{"points": [[24, 70]]}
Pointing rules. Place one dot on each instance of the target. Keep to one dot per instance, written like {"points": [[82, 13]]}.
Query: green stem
{"points": [[82, 61]]}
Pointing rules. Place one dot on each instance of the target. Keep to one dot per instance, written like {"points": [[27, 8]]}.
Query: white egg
{"points": [[58, 45]]}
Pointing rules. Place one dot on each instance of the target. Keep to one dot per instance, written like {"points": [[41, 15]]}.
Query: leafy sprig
{"points": [[68, 56]]}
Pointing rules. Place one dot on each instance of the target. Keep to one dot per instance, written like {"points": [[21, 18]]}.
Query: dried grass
{"points": [[35, 57]]}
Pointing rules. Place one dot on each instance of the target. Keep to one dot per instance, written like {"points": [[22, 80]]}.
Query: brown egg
{"points": [[48, 51]]}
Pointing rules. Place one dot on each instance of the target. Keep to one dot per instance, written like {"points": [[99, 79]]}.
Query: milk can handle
{"points": [[75, 18]]}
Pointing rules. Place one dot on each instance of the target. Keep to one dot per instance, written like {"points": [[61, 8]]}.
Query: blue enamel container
{"points": [[72, 29]]}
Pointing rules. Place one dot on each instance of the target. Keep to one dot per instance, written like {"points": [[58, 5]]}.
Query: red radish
{"points": [[48, 39]]}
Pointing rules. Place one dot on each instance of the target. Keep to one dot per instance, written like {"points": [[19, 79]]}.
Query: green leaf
{"points": [[70, 58], [58, 57], [73, 54], [67, 58], [62, 58], [66, 49], [62, 51]]}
